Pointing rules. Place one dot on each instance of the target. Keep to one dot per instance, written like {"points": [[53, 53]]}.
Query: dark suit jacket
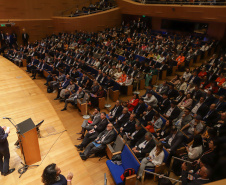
{"points": [[129, 126], [221, 106], [196, 181], [196, 94], [209, 100], [109, 138], [195, 81], [3, 140], [124, 119], [163, 105], [172, 93], [210, 120], [137, 136], [139, 109], [176, 142], [175, 113], [101, 126], [118, 111], [202, 110], [146, 149]]}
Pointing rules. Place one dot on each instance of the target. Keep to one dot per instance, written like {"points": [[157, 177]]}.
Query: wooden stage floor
{"points": [[20, 99]]}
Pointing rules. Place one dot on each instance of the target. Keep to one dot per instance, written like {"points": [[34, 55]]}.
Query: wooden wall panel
{"points": [[188, 12], [37, 9], [36, 28], [94, 22], [217, 30]]}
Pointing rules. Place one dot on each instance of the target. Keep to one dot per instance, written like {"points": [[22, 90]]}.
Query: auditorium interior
{"points": [[113, 92]]}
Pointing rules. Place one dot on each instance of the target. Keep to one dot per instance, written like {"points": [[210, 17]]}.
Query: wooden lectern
{"points": [[28, 140]]}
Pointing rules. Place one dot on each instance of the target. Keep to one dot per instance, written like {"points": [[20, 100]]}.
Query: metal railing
{"points": [[211, 3]]}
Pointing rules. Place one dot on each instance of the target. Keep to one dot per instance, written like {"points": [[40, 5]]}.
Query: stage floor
{"points": [[20, 99]]}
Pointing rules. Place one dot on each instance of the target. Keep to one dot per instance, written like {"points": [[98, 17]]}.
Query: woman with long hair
{"points": [[155, 158], [196, 149], [51, 176]]}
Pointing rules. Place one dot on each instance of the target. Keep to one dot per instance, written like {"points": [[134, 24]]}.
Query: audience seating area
{"points": [[133, 57]]}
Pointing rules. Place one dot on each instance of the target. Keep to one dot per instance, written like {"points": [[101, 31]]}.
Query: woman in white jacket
{"points": [[196, 149], [155, 158]]}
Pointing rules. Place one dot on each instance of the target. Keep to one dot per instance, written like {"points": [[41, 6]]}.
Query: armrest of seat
{"points": [[116, 153], [129, 90], [131, 180], [159, 169], [101, 102]]}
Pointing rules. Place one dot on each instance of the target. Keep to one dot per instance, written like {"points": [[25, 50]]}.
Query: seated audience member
{"points": [[183, 118], [94, 87], [195, 149], [93, 133], [221, 121], [99, 144], [118, 74], [94, 98], [209, 98], [211, 115], [89, 125], [66, 92], [148, 79], [196, 93], [82, 80], [182, 85], [52, 74], [176, 80], [150, 99], [212, 86], [143, 146], [180, 97], [122, 78], [163, 88], [115, 112], [73, 98], [186, 75], [140, 108], [122, 118], [165, 130], [194, 127], [220, 80], [172, 112], [39, 69], [155, 124], [133, 102], [147, 116], [172, 142], [155, 158], [149, 89], [133, 137], [200, 108], [180, 59], [220, 104], [163, 104], [52, 176], [202, 177], [186, 102], [202, 73], [128, 126], [63, 85], [172, 92], [194, 79]]}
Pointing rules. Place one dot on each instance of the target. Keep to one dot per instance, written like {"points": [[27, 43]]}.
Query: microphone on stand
{"points": [[6, 118]]}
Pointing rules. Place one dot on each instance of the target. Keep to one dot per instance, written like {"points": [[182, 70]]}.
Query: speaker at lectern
{"points": [[28, 140]]}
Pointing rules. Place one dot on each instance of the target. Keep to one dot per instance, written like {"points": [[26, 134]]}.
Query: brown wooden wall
{"points": [[93, 22], [184, 12], [37, 9]]}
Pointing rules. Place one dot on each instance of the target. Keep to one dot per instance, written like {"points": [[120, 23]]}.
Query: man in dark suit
{"points": [[108, 82], [133, 137], [82, 80], [194, 79], [99, 76], [209, 98], [172, 93], [202, 177], [25, 38], [40, 69], [73, 98], [172, 142], [4, 151], [172, 112], [147, 116], [140, 108], [220, 104], [93, 134], [63, 85], [144, 146], [123, 118], [200, 108], [163, 104], [196, 93], [211, 115], [104, 138], [115, 112], [128, 126], [32, 65]]}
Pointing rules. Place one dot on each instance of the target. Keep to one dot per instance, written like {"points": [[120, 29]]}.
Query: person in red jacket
{"points": [[133, 102]]}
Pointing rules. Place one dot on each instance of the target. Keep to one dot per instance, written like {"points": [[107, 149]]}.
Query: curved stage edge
{"points": [[20, 99]]}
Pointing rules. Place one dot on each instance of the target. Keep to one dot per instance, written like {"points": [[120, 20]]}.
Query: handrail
{"points": [[181, 3], [153, 173]]}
